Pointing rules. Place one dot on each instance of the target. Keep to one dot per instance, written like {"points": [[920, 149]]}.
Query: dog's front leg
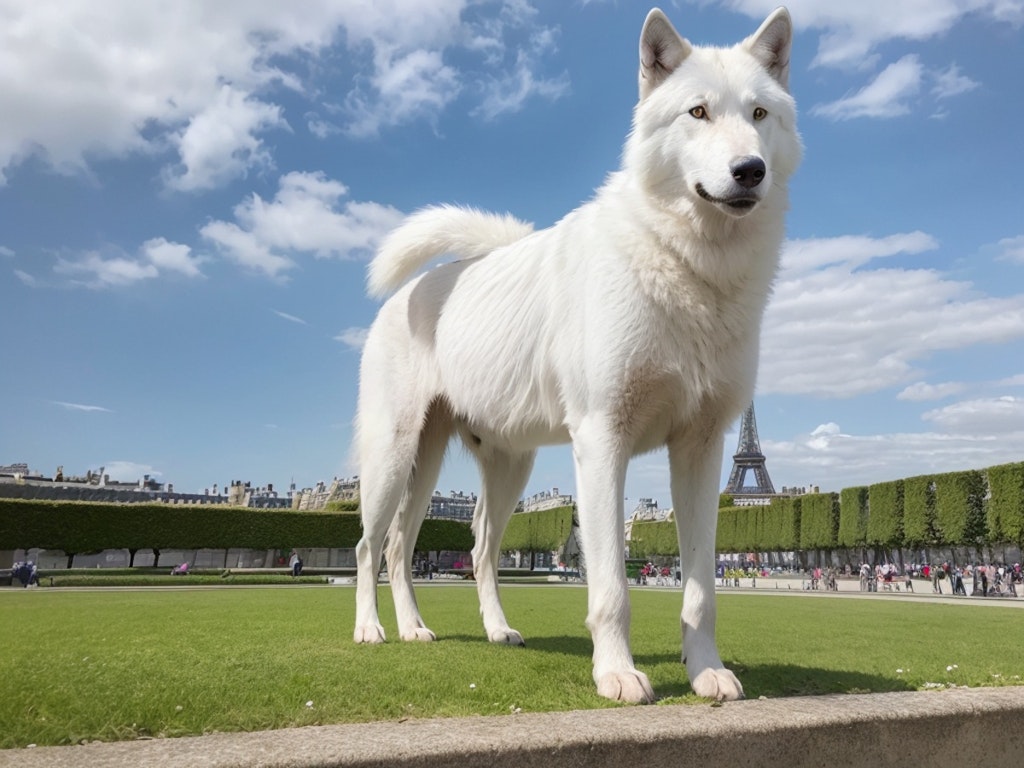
{"points": [[696, 470], [600, 477]]}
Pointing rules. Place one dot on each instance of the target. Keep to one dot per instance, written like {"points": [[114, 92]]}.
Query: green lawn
{"points": [[111, 664]]}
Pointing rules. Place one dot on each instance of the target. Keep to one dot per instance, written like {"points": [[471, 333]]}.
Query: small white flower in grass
{"points": [[309, 705], [472, 686], [178, 708], [899, 671], [949, 669]]}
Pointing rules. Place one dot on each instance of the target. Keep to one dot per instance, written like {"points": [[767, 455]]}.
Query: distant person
{"points": [[958, 583], [295, 563], [25, 573]]}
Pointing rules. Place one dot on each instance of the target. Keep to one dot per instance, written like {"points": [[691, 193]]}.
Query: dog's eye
{"points": [[760, 113], [700, 113]]}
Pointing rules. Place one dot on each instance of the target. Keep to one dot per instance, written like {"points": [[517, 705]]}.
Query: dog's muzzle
{"points": [[747, 173]]}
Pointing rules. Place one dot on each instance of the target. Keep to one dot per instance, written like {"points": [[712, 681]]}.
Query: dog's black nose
{"points": [[748, 172]]}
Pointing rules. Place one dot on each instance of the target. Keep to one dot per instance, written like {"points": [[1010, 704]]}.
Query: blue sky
{"points": [[190, 192]]}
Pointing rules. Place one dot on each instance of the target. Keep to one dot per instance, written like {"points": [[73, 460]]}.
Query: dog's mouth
{"points": [[740, 203]]}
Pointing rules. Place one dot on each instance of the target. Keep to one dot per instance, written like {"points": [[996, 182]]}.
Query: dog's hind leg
{"points": [[387, 453], [600, 478], [695, 474], [504, 476], [433, 441]]}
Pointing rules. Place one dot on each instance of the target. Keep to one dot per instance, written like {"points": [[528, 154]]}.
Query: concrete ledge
{"points": [[981, 726]]}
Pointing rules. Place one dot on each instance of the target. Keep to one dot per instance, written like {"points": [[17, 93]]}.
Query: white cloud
{"points": [[844, 329], [306, 215], [950, 83], [990, 416], [5, 251], [245, 249], [852, 32], [128, 471], [220, 142], [511, 86], [289, 318], [26, 278], [94, 271], [80, 407], [834, 459], [1012, 381], [88, 79], [921, 391], [156, 257], [888, 95], [508, 93], [353, 337], [171, 257], [408, 87], [852, 251], [106, 78], [1011, 249]]}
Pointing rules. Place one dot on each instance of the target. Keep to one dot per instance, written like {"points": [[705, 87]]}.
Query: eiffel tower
{"points": [[749, 457]]}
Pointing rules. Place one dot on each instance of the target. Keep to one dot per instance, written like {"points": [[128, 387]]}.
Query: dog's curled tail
{"points": [[446, 229]]}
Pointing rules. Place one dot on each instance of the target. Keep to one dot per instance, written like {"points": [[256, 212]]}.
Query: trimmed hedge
{"points": [[919, 526], [951, 509], [543, 531], [449, 535], [1005, 512], [782, 521], [82, 526], [853, 517], [653, 537], [341, 505], [819, 521], [960, 507], [885, 514]]}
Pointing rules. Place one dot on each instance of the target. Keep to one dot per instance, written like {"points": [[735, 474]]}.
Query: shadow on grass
{"points": [[785, 680], [770, 680]]}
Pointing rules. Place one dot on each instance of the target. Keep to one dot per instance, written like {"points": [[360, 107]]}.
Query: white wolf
{"points": [[631, 324]]}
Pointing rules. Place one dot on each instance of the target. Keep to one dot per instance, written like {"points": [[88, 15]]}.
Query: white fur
{"points": [[631, 324]]}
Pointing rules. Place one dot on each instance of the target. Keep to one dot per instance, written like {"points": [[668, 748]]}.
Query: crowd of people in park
{"points": [[988, 580], [985, 580], [659, 576]]}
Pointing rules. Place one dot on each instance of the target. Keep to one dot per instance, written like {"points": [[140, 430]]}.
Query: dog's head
{"points": [[715, 128]]}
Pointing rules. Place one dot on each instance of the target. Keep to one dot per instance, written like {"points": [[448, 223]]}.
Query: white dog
{"points": [[631, 324]]}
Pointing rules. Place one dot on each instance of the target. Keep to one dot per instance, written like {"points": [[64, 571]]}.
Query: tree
{"points": [[853, 517], [960, 507], [1005, 511], [819, 521], [919, 523], [885, 514]]}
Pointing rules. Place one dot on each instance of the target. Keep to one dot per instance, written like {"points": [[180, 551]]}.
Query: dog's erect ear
{"points": [[771, 45], [661, 51]]}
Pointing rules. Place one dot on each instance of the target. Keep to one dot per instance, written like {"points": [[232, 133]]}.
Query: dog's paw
{"points": [[369, 633], [717, 684], [418, 635], [505, 636], [631, 687]]}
